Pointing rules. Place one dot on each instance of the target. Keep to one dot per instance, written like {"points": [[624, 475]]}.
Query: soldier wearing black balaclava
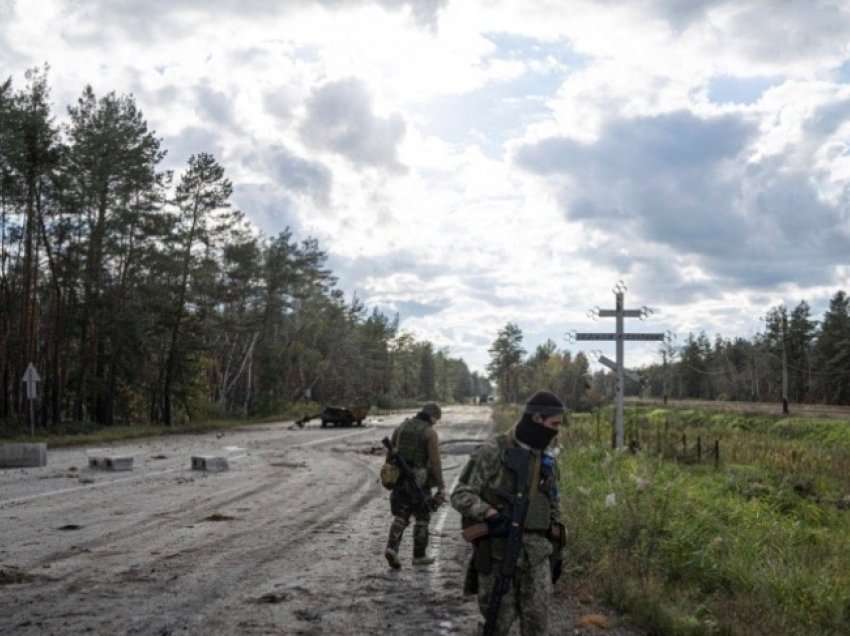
{"points": [[477, 500]]}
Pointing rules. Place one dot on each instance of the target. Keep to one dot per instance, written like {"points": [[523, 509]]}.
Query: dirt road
{"points": [[288, 541]]}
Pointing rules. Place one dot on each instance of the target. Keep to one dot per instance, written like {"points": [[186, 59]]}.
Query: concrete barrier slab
{"points": [[209, 463], [23, 455], [111, 462]]}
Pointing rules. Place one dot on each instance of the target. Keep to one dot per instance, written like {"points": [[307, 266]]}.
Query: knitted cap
{"points": [[432, 410], [544, 403]]}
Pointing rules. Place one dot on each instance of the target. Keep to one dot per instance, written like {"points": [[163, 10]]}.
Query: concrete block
{"points": [[209, 463], [23, 455], [111, 462]]}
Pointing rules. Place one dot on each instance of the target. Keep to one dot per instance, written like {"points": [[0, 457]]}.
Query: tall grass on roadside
{"points": [[808, 450], [690, 549]]}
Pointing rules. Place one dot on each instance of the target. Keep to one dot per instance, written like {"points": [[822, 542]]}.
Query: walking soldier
{"points": [[414, 447]]}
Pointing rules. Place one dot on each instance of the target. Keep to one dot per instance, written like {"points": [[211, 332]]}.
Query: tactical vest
{"points": [[538, 518], [539, 514], [411, 443]]}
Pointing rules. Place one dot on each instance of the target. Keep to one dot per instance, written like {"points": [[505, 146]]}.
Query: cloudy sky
{"points": [[473, 162]]}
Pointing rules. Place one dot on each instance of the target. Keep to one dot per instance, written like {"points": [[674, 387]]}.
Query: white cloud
{"points": [[396, 124]]}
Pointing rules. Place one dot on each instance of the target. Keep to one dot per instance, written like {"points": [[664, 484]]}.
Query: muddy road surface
{"points": [[288, 541]]}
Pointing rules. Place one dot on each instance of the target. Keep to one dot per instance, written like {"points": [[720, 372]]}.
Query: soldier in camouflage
{"points": [[476, 500], [417, 442]]}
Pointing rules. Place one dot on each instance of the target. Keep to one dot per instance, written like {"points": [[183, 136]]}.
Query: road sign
{"points": [[627, 313], [643, 336], [31, 379], [596, 336]]}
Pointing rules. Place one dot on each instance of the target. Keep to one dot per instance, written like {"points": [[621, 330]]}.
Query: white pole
{"points": [[620, 380]]}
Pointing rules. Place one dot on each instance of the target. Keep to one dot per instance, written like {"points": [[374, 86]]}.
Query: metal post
{"points": [[784, 372], [620, 375]]}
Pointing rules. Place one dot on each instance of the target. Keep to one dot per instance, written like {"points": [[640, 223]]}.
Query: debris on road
{"points": [[11, 575], [311, 616], [209, 463], [593, 620], [288, 464], [272, 597], [219, 517]]}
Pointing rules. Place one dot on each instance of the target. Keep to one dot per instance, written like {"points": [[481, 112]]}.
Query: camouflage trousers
{"points": [[528, 600], [403, 506]]}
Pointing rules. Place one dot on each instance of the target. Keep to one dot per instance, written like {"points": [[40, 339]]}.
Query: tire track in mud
{"points": [[269, 555], [183, 511]]}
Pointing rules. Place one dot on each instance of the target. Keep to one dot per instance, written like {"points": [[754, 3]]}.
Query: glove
{"points": [[439, 498], [498, 525]]}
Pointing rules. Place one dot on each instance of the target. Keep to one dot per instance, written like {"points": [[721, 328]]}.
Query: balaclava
{"points": [[545, 404]]}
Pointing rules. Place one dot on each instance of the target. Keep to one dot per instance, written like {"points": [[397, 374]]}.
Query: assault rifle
{"points": [[407, 473], [515, 460]]}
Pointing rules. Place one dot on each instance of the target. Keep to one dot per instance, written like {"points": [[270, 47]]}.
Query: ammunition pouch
{"points": [[390, 474]]}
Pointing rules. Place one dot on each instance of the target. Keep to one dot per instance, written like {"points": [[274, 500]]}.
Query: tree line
{"points": [[142, 295], [815, 354], [518, 375]]}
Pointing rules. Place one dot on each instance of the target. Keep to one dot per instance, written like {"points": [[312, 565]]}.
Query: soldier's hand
{"points": [[498, 525], [440, 498]]}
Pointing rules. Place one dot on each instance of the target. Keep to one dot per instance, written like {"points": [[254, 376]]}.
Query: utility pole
{"points": [[783, 327], [620, 313]]}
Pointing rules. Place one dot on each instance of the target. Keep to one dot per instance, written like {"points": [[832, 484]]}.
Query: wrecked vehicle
{"points": [[338, 416]]}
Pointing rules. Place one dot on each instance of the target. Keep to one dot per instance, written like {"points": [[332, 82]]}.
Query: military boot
{"points": [[393, 541], [420, 545], [391, 555]]}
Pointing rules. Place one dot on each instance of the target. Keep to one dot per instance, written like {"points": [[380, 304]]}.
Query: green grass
{"points": [[757, 545]]}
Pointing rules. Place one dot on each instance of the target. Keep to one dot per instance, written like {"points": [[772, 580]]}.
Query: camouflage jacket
{"points": [[484, 469]]}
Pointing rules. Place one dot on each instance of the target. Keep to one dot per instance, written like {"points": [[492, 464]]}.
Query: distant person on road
{"points": [[416, 441], [477, 498]]}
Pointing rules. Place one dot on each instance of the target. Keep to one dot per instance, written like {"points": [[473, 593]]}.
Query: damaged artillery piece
{"points": [[338, 416]]}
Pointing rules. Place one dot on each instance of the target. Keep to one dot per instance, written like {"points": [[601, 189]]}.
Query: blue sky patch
{"points": [[728, 89]]}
